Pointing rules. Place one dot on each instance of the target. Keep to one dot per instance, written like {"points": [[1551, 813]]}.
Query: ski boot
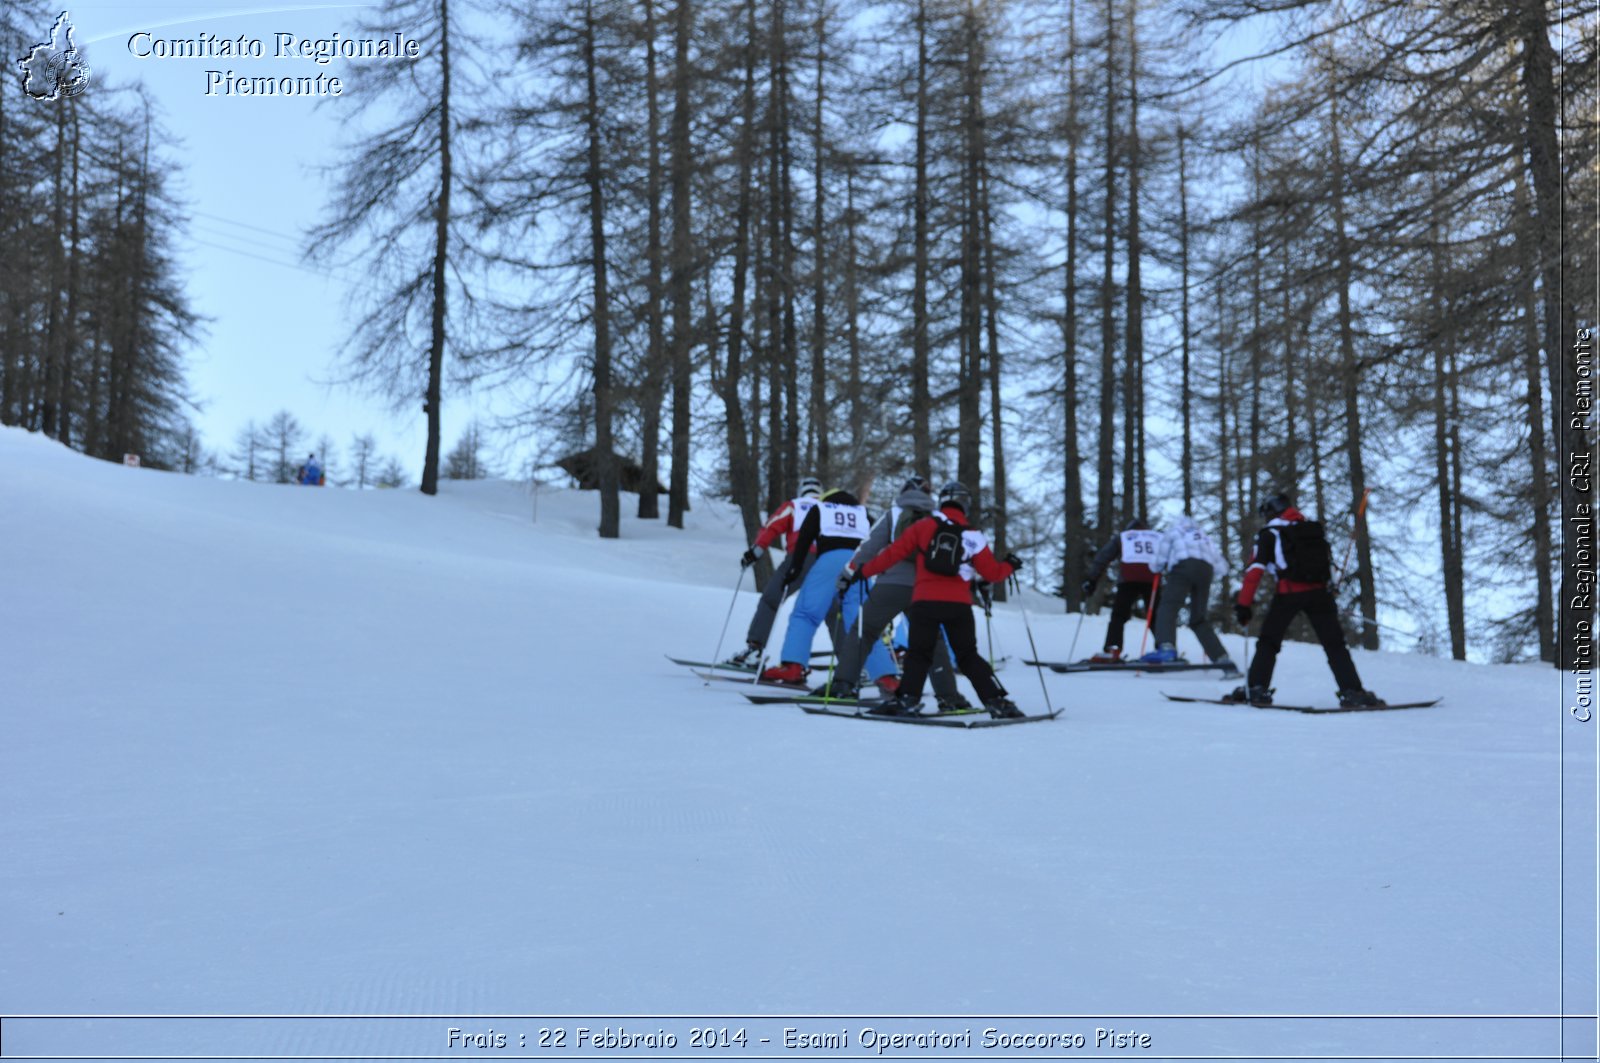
{"points": [[1002, 708], [788, 672], [898, 705], [748, 657], [954, 703], [1257, 696], [1163, 654], [1359, 699], [1110, 656], [1229, 669], [838, 690], [889, 685]]}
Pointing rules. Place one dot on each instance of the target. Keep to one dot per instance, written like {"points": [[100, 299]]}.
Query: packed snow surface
{"points": [[275, 750]]}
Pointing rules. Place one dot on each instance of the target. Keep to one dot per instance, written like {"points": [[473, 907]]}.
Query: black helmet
{"points": [[1274, 506], [915, 483], [955, 493], [1137, 524]]}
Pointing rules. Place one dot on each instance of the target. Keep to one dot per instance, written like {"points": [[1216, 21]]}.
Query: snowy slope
{"points": [[275, 750]]}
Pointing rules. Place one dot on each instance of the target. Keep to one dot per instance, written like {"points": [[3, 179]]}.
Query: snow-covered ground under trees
{"points": [[278, 751]]}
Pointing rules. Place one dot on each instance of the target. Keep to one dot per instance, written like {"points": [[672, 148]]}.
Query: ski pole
{"points": [[726, 620], [1033, 647], [987, 598], [1149, 612], [835, 633], [1073, 649]]}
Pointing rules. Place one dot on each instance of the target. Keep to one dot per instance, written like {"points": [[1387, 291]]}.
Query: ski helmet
{"points": [[810, 487], [915, 483], [1274, 506], [955, 493]]}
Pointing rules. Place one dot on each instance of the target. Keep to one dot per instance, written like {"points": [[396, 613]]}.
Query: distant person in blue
{"points": [[311, 473]]}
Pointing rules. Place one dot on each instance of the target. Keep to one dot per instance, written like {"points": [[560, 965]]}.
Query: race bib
{"points": [[1139, 547], [802, 506], [843, 522]]}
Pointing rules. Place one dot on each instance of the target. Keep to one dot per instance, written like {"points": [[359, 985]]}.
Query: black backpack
{"points": [[946, 552], [1306, 549]]}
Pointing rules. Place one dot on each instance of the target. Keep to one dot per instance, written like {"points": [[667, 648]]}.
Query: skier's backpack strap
{"points": [[946, 551], [1306, 549]]}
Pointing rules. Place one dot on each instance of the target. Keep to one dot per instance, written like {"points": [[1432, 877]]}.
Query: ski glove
{"points": [[1088, 587], [1014, 561], [750, 557], [847, 576], [1242, 613]]}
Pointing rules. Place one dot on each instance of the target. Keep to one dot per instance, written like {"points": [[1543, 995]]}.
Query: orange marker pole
{"points": [[1149, 612]]}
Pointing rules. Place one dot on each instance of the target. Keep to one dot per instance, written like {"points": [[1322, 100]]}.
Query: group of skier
{"points": [[927, 562]]}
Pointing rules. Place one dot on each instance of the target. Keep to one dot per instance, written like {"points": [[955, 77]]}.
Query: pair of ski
{"points": [[1072, 667], [1312, 710], [856, 709]]}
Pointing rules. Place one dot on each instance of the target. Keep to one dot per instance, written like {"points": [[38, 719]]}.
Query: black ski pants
{"points": [[1121, 608], [1323, 612], [955, 618], [885, 602]]}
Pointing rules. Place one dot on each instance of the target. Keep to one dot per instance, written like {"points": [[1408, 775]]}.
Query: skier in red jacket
{"points": [[1295, 551], [950, 553]]}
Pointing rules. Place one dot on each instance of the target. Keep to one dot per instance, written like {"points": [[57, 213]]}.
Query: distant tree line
{"points": [[275, 451]]}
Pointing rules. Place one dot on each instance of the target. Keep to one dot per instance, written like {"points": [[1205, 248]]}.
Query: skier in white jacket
{"points": [[1187, 561]]}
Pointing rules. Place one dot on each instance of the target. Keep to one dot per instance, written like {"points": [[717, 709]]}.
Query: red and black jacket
{"points": [[1267, 556], [931, 586]]}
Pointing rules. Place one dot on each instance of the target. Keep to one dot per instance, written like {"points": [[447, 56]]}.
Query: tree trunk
{"points": [[1539, 493], [921, 401], [1450, 545], [970, 381], [852, 304], [819, 326], [55, 340], [991, 308], [742, 473], [1105, 515], [1134, 484], [682, 268], [74, 256], [1350, 371], [651, 390], [1073, 565], [1313, 435], [1186, 398], [610, 501], [1225, 509], [441, 246], [1289, 466], [1253, 489]]}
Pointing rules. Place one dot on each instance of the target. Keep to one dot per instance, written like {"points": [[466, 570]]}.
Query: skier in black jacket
{"points": [[1295, 551]]}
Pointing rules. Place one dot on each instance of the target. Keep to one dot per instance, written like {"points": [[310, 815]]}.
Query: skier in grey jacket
{"points": [[1187, 561], [889, 597]]}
